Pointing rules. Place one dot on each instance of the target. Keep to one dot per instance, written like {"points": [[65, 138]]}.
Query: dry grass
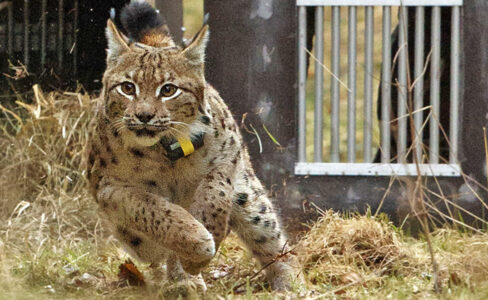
{"points": [[52, 244], [362, 254], [337, 249]]}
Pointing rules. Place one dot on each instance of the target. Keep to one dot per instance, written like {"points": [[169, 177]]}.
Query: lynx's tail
{"points": [[144, 24]]}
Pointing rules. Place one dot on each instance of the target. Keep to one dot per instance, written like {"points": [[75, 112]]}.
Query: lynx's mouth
{"points": [[146, 130], [144, 135]]}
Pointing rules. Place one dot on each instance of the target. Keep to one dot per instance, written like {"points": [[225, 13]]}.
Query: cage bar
{"points": [[334, 87], [10, 33], [43, 31], [26, 33], [351, 95], [418, 89], [302, 83], [402, 90], [386, 86], [319, 83], [75, 38], [374, 169], [60, 34], [336, 167], [368, 83], [435, 74], [454, 109], [380, 2]]}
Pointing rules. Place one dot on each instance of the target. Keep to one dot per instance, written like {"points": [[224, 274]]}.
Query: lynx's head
{"points": [[151, 86]]}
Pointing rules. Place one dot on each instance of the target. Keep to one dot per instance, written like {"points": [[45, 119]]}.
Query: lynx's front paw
{"points": [[194, 267], [186, 287], [285, 275], [180, 290], [204, 251]]}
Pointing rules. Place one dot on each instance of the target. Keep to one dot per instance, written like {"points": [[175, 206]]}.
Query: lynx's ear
{"points": [[195, 51], [117, 42]]}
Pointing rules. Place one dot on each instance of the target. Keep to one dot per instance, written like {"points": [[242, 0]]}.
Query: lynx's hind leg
{"points": [[256, 223]]}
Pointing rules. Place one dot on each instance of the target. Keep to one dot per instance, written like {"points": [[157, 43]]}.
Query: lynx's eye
{"points": [[127, 89], [168, 91]]}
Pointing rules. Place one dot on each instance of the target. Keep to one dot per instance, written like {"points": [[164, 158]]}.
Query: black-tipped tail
{"points": [[138, 18]]}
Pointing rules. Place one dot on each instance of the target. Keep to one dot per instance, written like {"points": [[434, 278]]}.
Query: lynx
{"points": [[167, 164]]}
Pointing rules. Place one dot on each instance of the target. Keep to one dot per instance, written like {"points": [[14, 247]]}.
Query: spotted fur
{"points": [[177, 211]]}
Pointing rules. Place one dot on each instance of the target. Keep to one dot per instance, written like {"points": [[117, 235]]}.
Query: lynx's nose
{"points": [[144, 117]]}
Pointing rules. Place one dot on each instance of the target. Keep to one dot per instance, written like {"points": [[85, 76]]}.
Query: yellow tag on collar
{"points": [[186, 145]]}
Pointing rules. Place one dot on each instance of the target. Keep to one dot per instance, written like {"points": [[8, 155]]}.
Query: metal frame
{"points": [[435, 86], [302, 83], [418, 90], [386, 86], [319, 84], [334, 86], [379, 2], [368, 84], [455, 89], [372, 169], [44, 39], [402, 167], [402, 89], [351, 81]]}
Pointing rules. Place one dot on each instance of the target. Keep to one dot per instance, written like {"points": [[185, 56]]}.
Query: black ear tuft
{"points": [[138, 18]]}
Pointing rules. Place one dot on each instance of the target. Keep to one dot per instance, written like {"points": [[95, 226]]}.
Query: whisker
{"points": [[171, 133], [116, 122], [119, 127], [184, 125], [183, 130], [178, 123], [179, 131]]}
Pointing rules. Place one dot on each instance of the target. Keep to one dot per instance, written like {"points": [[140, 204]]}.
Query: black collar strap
{"points": [[183, 146]]}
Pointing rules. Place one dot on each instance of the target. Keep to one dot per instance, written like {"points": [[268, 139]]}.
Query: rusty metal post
{"points": [[475, 100], [252, 61]]}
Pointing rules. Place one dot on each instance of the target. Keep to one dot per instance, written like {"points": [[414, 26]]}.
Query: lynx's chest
{"points": [[151, 169]]}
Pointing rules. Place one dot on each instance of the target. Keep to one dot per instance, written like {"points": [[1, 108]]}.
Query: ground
{"points": [[52, 244]]}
